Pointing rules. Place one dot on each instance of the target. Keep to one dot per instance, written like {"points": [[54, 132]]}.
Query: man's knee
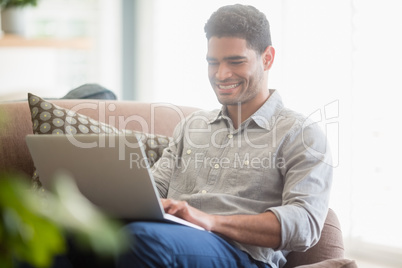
{"points": [[148, 248]]}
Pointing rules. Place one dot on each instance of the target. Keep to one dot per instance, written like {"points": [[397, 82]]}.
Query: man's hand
{"points": [[260, 230], [183, 210]]}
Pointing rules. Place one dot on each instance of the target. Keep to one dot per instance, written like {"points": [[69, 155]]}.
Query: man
{"points": [[245, 173]]}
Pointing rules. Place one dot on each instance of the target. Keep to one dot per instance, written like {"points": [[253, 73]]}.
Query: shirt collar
{"points": [[264, 117], [216, 115]]}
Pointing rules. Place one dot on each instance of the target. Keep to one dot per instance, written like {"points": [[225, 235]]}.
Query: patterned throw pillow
{"points": [[48, 118]]}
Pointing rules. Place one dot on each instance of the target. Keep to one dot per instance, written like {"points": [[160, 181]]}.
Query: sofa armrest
{"points": [[330, 245], [333, 263]]}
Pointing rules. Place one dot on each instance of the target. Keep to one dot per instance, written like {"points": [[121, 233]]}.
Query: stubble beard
{"points": [[246, 94]]}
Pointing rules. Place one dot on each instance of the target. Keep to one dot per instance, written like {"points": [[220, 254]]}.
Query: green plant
{"points": [[25, 234], [33, 226], [17, 3]]}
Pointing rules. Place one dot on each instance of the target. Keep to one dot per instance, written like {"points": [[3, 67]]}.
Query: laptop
{"points": [[111, 171]]}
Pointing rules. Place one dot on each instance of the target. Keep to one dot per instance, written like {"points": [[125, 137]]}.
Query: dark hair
{"points": [[240, 21]]}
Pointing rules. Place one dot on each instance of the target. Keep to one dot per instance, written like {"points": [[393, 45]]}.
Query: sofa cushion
{"points": [[48, 118]]}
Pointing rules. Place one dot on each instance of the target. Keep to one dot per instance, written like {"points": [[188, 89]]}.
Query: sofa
{"points": [[154, 118]]}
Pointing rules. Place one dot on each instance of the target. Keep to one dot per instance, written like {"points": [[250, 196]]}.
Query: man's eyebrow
{"points": [[235, 58], [228, 58]]}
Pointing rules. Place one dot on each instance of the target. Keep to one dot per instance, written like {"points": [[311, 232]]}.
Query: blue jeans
{"points": [[173, 245]]}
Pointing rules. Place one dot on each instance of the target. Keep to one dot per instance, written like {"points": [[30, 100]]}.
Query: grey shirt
{"points": [[277, 160]]}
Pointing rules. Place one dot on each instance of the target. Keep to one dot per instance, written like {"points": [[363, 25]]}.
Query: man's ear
{"points": [[268, 57]]}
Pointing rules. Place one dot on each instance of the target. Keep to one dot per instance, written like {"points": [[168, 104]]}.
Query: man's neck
{"points": [[242, 111]]}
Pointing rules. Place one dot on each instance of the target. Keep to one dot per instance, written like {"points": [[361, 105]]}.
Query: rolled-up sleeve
{"points": [[307, 176]]}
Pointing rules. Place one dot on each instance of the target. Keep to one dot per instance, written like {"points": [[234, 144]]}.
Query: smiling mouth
{"points": [[228, 87]]}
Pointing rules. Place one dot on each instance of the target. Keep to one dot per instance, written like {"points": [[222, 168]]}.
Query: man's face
{"points": [[236, 72]]}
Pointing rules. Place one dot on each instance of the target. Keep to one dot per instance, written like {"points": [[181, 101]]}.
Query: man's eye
{"points": [[212, 63], [236, 62]]}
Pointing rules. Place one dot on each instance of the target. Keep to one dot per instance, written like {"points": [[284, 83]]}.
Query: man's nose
{"points": [[223, 72]]}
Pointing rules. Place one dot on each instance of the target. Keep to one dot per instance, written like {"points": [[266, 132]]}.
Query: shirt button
{"points": [[230, 136], [246, 162], [216, 166], [188, 151], [204, 191]]}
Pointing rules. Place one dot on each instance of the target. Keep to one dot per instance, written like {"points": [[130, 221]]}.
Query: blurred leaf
{"points": [[70, 209], [26, 235], [17, 3], [32, 225]]}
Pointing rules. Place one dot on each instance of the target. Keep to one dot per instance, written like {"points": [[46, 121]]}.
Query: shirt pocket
{"points": [[187, 171], [253, 176]]}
